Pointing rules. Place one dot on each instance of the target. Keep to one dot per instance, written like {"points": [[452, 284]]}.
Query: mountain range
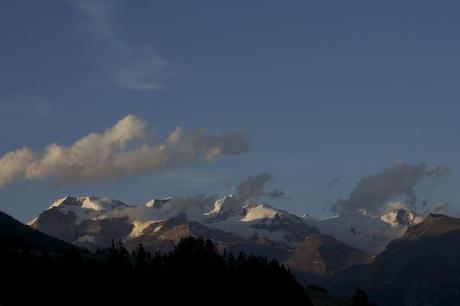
{"points": [[39, 269], [418, 268], [319, 246]]}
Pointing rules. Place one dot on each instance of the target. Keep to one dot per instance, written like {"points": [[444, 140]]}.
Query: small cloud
{"points": [[372, 193], [438, 208], [147, 72], [25, 106], [33, 110], [177, 205], [254, 187], [334, 181], [121, 150]]}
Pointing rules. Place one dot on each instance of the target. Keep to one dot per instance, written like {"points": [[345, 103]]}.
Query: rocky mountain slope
{"points": [[327, 255]]}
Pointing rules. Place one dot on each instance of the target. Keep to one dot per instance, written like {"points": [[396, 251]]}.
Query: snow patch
{"points": [[32, 221], [259, 212], [157, 203], [139, 227]]}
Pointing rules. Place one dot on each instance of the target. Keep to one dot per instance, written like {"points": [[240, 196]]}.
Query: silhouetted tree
{"points": [[141, 259], [360, 299]]}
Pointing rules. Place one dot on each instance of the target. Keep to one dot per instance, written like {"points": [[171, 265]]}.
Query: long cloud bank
{"points": [[120, 151]]}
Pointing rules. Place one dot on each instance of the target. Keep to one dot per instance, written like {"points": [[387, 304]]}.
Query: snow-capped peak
{"points": [[67, 200], [401, 217], [88, 202], [86, 208], [259, 212], [157, 203], [228, 206], [244, 210]]}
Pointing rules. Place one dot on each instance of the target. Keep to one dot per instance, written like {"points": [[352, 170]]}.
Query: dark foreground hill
{"points": [[193, 272], [420, 269], [37, 269], [16, 235]]}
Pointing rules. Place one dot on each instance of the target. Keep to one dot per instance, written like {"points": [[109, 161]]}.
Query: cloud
{"points": [[132, 67], [33, 110], [254, 187], [392, 206], [25, 106], [200, 202], [373, 192], [439, 208], [14, 165], [120, 151], [176, 205], [334, 181]]}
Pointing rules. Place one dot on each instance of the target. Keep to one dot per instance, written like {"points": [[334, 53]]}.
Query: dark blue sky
{"points": [[323, 89]]}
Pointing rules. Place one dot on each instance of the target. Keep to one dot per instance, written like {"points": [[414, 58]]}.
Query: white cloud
{"points": [[14, 165], [121, 150]]}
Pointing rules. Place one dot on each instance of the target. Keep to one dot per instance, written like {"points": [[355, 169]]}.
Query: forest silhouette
{"points": [[193, 273]]}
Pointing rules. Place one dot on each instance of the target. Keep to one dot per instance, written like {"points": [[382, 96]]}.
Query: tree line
{"points": [[193, 272]]}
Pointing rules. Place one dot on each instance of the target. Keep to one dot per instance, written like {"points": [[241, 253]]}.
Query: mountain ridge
{"points": [[420, 268], [14, 233], [233, 224]]}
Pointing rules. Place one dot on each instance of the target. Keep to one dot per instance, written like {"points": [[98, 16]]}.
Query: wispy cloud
{"points": [[439, 208], [334, 181], [132, 67], [120, 151], [254, 187], [25, 106], [35, 111]]}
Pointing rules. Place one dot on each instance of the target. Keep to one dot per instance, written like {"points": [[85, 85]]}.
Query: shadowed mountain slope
{"points": [[422, 268], [14, 234]]}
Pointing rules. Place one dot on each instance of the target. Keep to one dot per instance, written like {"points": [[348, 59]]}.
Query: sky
{"points": [[316, 95]]}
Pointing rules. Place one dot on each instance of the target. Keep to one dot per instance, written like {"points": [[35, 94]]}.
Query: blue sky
{"points": [[323, 89]]}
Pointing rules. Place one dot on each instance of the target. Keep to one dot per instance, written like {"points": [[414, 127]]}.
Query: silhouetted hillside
{"points": [[194, 272], [14, 234], [422, 268]]}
